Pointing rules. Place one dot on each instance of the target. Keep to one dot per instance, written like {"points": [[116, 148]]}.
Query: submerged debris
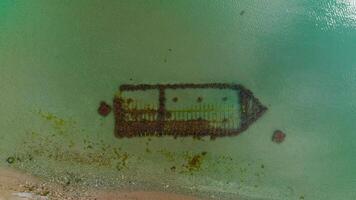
{"points": [[104, 109], [278, 136]]}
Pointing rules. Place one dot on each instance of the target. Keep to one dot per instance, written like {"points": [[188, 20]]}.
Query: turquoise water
{"points": [[59, 59]]}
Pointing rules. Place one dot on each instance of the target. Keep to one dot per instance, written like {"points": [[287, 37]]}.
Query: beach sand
{"points": [[15, 185]]}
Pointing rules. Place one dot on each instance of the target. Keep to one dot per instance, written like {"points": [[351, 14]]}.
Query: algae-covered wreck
{"points": [[212, 109]]}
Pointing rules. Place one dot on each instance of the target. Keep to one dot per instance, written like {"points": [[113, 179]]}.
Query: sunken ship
{"points": [[211, 109]]}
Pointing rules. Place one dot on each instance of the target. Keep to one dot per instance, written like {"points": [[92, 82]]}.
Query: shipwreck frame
{"points": [[249, 106]]}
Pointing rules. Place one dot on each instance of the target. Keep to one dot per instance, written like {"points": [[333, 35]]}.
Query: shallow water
{"points": [[59, 59]]}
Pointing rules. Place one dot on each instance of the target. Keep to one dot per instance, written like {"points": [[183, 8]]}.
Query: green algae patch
{"points": [[56, 121], [60, 143], [194, 162]]}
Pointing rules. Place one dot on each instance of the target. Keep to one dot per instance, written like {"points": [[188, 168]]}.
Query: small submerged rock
{"points": [[10, 160], [104, 109], [278, 136]]}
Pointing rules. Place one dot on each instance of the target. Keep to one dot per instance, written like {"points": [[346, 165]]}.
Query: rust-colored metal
{"points": [[130, 122], [278, 136], [104, 109]]}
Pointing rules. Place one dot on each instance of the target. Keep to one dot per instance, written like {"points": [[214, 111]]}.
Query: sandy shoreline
{"points": [[15, 185]]}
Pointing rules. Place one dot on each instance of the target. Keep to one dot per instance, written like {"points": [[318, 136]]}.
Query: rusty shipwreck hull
{"points": [[132, 121]]}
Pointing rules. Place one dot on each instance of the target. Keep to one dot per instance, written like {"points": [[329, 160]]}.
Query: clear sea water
{"points": [[59, 59]]}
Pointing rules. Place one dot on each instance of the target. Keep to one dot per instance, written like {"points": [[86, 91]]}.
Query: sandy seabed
{"points": [[15, 185]]}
